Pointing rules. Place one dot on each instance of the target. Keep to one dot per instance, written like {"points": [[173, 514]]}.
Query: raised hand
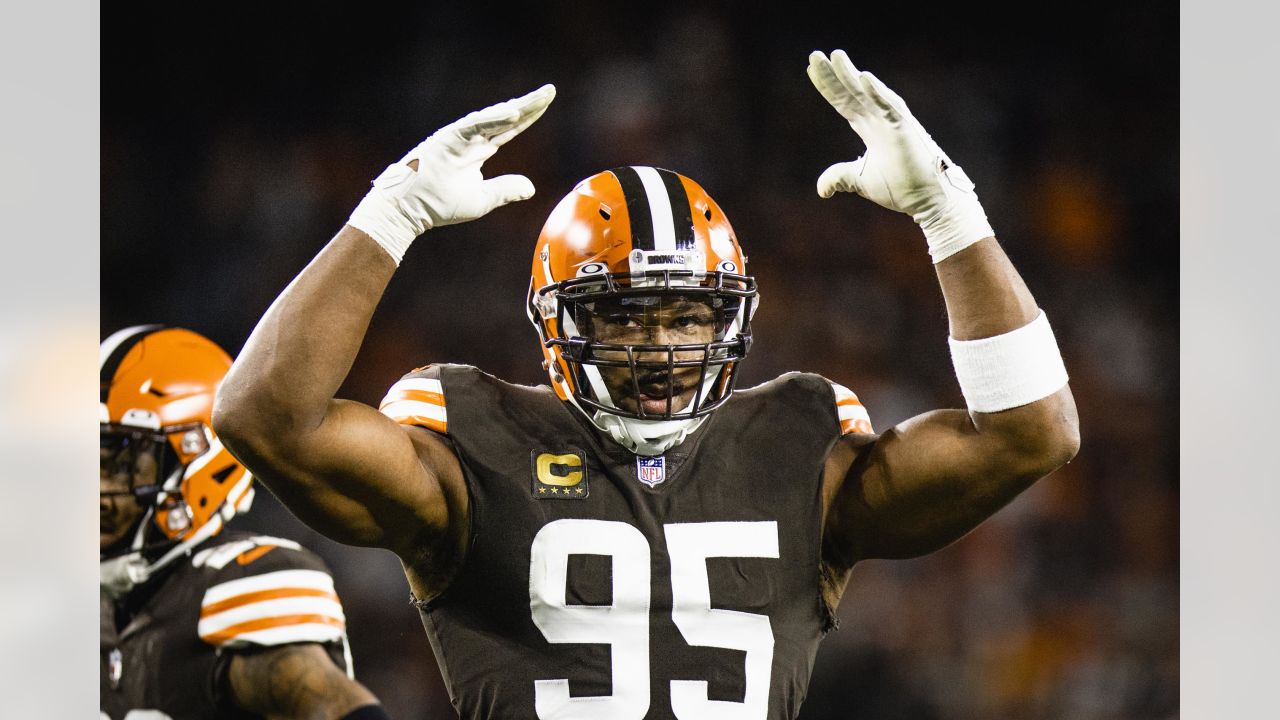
{"points": [[439, 182], [903, 169]]}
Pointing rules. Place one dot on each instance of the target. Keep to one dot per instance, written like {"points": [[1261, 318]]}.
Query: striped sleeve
{"points": [[274, 608], [853, 416], [417, 399]]}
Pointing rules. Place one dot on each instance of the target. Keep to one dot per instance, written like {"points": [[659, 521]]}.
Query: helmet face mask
{"points": [[664, 348], [131, 463], [640, 297]]}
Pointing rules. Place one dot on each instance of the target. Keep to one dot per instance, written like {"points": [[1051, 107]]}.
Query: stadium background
{"points": [[234, 146]]}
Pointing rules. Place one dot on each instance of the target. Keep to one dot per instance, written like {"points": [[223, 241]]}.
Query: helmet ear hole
{"points": [[707, 214], [604, 212]]}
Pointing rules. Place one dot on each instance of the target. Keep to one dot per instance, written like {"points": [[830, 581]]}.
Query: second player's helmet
{"points": [[639, 238], [156, 398]]}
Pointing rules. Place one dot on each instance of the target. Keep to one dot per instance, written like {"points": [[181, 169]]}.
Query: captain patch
{"points": [[559, 475]]}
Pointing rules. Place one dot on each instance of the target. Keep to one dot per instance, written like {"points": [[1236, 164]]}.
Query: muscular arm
{"points": [[342, 466], [933, 478], [294, 682]]}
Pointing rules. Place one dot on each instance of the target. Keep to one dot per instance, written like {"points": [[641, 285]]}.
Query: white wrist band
{"points": [[1009, 370]]}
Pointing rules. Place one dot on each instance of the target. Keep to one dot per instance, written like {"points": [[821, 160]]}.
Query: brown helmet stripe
{"points": [[637, 207]]}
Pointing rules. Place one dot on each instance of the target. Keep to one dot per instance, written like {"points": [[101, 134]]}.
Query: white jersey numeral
{"points": [[690, 544], [624, 624]]}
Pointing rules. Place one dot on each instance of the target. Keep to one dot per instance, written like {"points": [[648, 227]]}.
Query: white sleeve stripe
{"points": [[286, 634], [409, 408], [311, 579], [853, 412], [431, 385], [278, 542], [269, 609], [842, 392]]}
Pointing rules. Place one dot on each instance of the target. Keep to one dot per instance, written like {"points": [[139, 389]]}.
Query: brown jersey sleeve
{"points": [[418, 399]]}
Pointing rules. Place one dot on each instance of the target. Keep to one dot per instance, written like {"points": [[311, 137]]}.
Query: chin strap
{"points": [[119, 575]]}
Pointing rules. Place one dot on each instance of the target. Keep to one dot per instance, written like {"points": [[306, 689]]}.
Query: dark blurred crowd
{"points": [[233, 148]]}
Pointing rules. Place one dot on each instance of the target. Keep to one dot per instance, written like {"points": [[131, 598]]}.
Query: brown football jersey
{"points": [[602, 584], [165, 647]]}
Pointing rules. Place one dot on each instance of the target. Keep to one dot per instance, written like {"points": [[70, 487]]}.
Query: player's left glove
{"points": [[447, 187], [903, 168]]}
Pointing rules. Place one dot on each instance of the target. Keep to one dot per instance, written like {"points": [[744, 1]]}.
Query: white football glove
{"points": [[903, 168], [448, 187]]}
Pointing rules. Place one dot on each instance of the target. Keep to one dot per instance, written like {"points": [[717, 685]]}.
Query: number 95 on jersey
{"points": [[624, 624]]}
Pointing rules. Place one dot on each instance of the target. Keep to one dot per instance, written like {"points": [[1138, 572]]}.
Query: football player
{"points": [[638, 540], [199, 621]]}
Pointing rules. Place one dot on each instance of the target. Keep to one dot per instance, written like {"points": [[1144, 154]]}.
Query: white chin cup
{"points": [[119, 575], [646, 437]]}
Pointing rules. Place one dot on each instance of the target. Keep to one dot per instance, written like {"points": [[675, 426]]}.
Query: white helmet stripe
{"points": [[114, 348], [118, 337], [664, 234]]}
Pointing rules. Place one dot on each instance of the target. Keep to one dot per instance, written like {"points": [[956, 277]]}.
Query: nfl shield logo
{"points": [[651, 470]]}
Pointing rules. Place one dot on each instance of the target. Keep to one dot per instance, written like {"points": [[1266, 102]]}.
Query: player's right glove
{"points": [[903, 168], [447, 187]]}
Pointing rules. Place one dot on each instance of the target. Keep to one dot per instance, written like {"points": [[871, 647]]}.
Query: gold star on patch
{"points": [[542, 490], [578, 490]]}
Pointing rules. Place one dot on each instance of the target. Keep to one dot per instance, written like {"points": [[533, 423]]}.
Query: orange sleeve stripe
{"points": [[223, 636], [259, 596], [413, 394], [249, 556], [859, 426], [430, 423], [850, 400]]}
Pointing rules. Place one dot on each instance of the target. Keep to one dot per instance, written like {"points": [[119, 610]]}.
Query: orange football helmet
{"points": [[643, 237], [157, 388]]}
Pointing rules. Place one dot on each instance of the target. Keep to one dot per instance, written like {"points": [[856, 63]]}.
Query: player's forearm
{"points": [[294, 682], [304, 346], [986, 297]]}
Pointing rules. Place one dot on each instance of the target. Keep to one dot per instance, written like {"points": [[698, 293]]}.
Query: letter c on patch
{"points": [[547, 476]]}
